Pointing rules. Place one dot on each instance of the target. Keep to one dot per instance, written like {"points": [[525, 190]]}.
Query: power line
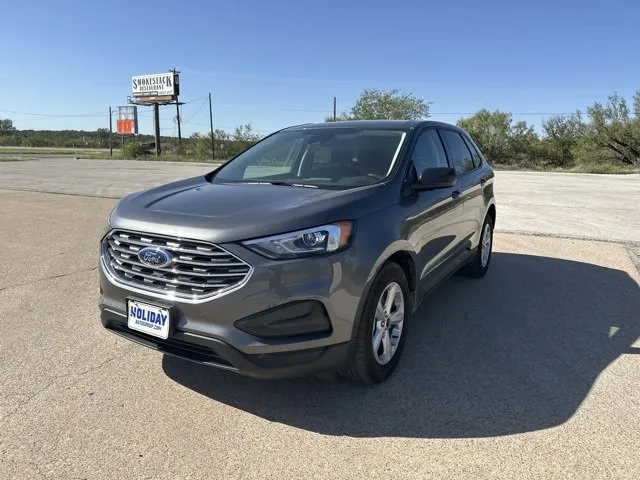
{"points": [[195, 100], [197, 112]]}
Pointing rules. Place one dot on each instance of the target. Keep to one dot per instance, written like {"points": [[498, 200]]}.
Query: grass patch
{"points": [[51, 151], [12, 159], [596, 168], [150, 158], [13, 154], [604, 168]]}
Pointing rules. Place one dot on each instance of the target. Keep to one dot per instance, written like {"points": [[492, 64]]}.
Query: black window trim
{"points": [[412, 145], [462, 134], [473, 148]]}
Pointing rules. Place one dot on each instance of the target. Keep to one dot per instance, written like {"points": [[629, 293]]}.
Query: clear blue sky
{"points": [[275, 63]]}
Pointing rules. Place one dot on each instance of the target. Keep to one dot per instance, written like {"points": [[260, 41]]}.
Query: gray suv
{"points": [[306, 253]]}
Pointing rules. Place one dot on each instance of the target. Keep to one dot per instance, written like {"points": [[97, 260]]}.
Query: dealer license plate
{"points": [[148, 319]]}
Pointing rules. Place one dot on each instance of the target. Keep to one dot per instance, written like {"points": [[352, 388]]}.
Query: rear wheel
{"points": [[480, 264], [382, 329]]}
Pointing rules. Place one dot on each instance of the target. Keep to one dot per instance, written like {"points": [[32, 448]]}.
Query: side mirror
{"points": [[433, 178]]}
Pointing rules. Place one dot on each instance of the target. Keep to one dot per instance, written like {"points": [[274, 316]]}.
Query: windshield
{"points": [[321, 158]]}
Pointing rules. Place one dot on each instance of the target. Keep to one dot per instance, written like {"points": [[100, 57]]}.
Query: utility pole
{"points": [[110, 133], [156, 126], [213, 145], [334, 109], [178, 120]]}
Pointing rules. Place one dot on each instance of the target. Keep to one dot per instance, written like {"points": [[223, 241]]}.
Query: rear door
{"points": [[468, 185], [475, 202]]}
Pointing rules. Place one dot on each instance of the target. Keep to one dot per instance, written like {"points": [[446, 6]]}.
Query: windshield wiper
{"points": [[281, 183]]}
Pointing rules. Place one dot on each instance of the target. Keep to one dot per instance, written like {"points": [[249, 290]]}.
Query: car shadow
{"points": [[514, 352]]}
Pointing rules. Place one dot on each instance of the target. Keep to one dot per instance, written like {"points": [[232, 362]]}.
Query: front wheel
{"points": [[480, 264], [382, 329]]}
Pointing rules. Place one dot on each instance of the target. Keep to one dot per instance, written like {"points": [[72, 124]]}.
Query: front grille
{"points": [[197, 270]]}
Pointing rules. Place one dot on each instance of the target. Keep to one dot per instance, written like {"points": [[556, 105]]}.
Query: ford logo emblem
{"points": [[155, 257]]}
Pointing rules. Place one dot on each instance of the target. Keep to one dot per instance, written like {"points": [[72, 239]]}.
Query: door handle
{"points": [[483, 181], [456, 194]]}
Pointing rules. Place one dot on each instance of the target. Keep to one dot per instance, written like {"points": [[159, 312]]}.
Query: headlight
{"points": [[107, 225], [304, 243]]}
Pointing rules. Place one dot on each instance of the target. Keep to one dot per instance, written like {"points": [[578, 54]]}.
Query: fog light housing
{"points": [[307, 317]]}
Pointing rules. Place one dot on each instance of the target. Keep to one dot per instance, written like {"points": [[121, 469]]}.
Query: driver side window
{"points": [[428, 152]]}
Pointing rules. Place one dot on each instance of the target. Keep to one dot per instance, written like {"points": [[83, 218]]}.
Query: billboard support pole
{"points": [[110, 133], [213, 145], [156, 125]]}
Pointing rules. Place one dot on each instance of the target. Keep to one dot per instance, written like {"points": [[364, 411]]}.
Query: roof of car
{"points": [[390, 124]]}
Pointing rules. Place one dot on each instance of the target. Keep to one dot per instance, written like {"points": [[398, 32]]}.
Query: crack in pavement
{"points": [[634, 256], [52, 277], [631, 247], [58, 378], [56, 192], [526, 233]]}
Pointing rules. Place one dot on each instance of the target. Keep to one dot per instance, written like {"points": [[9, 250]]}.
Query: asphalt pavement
{"points": [[530, 372]]}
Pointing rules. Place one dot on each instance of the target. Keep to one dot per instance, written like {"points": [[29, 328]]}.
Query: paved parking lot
{"points": [[578, 205], [531, 372]]}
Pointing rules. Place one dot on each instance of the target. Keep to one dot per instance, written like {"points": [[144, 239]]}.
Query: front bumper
{"points": [[216, 353], [206, 332]]}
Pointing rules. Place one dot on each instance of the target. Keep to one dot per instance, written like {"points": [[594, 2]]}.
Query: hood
{"points": [[219, 213]]}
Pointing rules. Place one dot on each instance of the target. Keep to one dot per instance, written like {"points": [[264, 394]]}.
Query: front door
{"points": [[432, 218]]}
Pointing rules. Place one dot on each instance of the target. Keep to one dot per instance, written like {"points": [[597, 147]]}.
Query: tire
{"points": [[477, 268], [365, 365]]}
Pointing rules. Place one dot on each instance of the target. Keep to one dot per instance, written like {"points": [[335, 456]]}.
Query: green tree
{"points": [[393, 104], [103, 137], [523, 140], [245, 133], [223, 143], [614, 129], [490, 130], [499, 138], [6, 126], [200, 145], [242, 138], [226, 145], [220, 135], [562, 134]]}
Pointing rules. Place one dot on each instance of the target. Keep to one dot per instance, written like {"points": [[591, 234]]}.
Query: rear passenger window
{"points": [[458, 151], [477, 159], [428, 152]]}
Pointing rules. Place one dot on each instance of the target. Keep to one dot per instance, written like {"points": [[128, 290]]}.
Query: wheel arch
{"points": [[491, 212], [403, 257]]}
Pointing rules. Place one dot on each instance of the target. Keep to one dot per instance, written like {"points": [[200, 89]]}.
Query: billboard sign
{"points": [[127, 123], [155, 85]]}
